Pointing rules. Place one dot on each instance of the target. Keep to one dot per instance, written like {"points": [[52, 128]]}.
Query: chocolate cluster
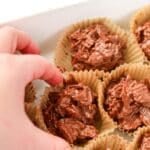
{"points": [[128, 102], [71, 112], [143, 38], [145, 142], [95, 47]]}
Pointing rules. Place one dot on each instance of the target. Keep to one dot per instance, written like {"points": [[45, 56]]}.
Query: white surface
{"points": [[45, 28], [15, 9]]}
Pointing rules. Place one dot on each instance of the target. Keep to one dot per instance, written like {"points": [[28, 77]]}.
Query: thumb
{"points": [[47, 141], [36, 67]]}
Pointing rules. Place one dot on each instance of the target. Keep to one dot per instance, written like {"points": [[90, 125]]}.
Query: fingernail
{"points": [[57, 79]]}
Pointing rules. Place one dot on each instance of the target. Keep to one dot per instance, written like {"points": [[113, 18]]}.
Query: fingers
{"points": [[36, 67], [12, 39], [50, 142]]}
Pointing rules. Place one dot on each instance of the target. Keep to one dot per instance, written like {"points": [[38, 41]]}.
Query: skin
{"points": [[16, 71]]}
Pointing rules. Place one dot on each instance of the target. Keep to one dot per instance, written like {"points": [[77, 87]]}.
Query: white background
{"points": [[15, 9], [45, 28]]}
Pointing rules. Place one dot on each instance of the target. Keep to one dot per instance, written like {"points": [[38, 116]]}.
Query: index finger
{"points": [[12, 39], [36, 67]]}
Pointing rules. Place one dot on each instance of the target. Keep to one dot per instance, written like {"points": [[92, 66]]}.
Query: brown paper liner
{"points": [[141, 16], [104, 125], [29, 93], [63, 54], [134, 145], [30, 110], [108, 142], [136, 71]]}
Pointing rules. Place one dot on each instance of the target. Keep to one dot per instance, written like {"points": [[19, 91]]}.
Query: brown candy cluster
{"points": [[128, 102], [143, 37], [71, 112], [145, 143], [94, 47]]}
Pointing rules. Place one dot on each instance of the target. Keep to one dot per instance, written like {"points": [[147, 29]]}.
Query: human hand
{"points": [[16, 71]]}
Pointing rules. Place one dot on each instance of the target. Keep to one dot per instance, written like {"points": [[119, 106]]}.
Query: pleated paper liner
{"points": [[30, 110], [39, 119], [63, 54], [134, 145], [141, 16], [29, 93], [104, 125], [107, 142], [101, 75], [136, 71]]}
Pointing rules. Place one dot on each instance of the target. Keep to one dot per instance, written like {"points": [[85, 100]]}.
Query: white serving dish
{"points": [[45, 28]]}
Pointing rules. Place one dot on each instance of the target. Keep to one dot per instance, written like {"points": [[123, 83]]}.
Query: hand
{"points": [[16, 71]]}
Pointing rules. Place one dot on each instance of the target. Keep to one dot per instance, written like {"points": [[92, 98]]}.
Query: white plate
{"points": [[45, 28]]}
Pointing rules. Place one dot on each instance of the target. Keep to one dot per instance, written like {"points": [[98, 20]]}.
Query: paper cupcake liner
{"points": [[136, 71], [134, 145], [141, 16], [108, 142], [39, 120], [101, 75], [30, 110], [29, 93], [105, 124], [133, 53], [63, 54]]}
